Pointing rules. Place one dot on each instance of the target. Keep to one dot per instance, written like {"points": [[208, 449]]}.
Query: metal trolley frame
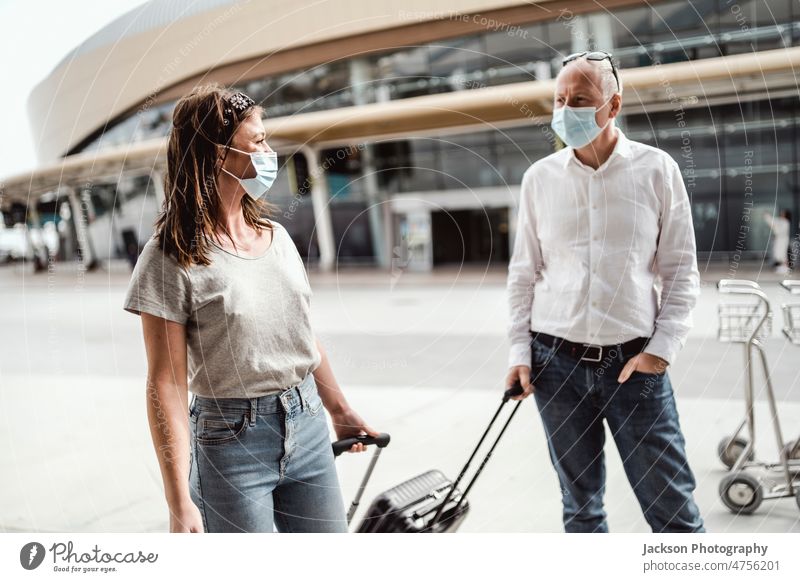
{"points": [[742, 491]]}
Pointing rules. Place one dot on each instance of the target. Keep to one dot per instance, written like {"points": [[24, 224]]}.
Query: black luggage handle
{"points": [[343, 445], [515, 390]]}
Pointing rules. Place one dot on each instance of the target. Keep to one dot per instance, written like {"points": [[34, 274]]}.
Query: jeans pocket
{"points": [[540, 354], [313, 401], [215, 427], [649, 374]]}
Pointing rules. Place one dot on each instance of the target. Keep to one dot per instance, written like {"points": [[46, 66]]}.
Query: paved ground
{"points": [[421, 357]]}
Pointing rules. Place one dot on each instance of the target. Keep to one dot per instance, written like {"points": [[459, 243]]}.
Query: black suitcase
{"points": [[427, 503]]}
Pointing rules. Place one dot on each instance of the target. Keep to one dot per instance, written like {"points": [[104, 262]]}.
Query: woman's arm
{"points": [[167, 413], [346, 421], [332, 396]]}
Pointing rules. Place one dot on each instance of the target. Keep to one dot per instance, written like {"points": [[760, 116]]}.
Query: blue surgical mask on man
{"points": [[577, 126], [266, 167]]}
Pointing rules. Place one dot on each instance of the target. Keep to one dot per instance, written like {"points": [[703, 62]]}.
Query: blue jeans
{"points": [[573, 398], [261, 461]]}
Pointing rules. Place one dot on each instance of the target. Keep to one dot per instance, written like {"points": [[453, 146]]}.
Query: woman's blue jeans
{"points": [[261, 461], [573, 398]]}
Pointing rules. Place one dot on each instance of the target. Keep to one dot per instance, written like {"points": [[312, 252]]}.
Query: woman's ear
{"points": [[219, 157]]}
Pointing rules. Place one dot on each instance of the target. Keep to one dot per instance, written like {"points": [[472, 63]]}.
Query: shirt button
{"points": [[594, 303], [594, 207]]}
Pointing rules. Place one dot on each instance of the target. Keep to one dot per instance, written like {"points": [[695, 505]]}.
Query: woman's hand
{"points": [[185, 518], [348, 423]]}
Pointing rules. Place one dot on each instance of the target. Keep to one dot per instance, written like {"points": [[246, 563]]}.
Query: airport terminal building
{"points": [[403, 133]]}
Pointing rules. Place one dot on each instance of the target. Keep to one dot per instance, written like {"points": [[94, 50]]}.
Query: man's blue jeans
{"points": [[573, 398], [259, 462]]}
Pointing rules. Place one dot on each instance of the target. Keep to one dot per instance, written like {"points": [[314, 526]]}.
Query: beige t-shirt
{"points": [[248, 329]]}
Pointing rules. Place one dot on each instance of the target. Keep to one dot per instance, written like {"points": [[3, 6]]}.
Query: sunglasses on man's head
{"points": [[593, 56]]}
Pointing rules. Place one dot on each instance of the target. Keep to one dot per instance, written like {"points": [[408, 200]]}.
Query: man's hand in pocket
{"points": [[647, 363]]}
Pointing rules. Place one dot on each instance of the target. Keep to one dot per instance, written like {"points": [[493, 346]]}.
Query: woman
{"points": [[229, 320]]}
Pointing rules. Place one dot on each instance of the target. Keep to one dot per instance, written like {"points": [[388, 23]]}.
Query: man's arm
{"points": [[676, 264], [526, 261]]}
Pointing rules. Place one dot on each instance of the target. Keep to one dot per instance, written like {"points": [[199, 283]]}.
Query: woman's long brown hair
{"points": [[191, 209]]}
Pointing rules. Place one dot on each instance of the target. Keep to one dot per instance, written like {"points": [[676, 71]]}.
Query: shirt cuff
{"points": [[664, 346], [520, 355]]}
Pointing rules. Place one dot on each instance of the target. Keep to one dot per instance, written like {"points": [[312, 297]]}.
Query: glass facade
{"points": [[726, 151], [676, 30], [739, 161]]}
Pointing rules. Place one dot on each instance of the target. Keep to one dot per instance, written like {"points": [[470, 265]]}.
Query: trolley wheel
{"points": [[741, 492], [787, 448], [730, 454]]}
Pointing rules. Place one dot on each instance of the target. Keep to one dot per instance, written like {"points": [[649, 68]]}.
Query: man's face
{"points": [[578, 85]]}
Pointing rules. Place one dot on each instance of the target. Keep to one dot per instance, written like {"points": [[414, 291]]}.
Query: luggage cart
{"points": [[742, 322], [791, 329], [741, 490], [427, 503]]}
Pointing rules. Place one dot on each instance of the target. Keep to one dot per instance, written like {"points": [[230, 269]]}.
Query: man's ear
{"points": [[616, 105]]}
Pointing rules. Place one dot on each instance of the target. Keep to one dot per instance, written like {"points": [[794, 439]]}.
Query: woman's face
{"points": [[249, 137]]}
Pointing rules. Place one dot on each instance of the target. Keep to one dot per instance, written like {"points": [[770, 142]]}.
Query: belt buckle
{"points": [[599, 353]]}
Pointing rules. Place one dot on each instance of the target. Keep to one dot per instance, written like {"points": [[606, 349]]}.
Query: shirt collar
{"points": [[622, 148]]}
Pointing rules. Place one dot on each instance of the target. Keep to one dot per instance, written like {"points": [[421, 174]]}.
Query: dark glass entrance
{"points": [[470, 236]]}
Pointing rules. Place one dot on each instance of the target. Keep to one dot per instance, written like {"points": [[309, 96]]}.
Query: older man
{"points": [[601, 221]]}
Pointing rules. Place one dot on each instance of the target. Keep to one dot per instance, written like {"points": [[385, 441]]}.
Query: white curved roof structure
{"points": [[146, 55]]}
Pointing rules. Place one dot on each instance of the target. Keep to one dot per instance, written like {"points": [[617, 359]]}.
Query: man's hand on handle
{"points": [[523, 374]]}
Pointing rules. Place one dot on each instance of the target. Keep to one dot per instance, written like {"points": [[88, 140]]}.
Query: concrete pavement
{"points": [[420, 356]]}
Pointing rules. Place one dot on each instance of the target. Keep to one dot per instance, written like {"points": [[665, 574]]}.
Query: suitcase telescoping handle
{"points": [[515, 390], [343, 445]]}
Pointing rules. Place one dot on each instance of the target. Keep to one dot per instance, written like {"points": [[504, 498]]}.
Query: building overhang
{"points": [[667, 86]]}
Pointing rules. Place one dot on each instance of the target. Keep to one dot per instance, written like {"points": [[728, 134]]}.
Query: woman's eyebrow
{"points": [[259, 133]]}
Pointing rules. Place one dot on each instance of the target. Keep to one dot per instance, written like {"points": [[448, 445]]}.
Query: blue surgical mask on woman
{"points": [[577, 126], [266, 167]]}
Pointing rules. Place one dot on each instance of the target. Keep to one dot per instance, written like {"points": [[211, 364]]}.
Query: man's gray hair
{"points": [[608, 83]]}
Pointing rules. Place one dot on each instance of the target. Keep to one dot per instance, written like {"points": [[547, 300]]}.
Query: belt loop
{"points": [[253, 410]]}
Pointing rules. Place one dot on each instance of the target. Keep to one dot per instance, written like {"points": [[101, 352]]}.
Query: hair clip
{"points": [[240, 101]]}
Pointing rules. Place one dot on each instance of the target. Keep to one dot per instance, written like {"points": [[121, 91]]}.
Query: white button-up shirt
{"points": [[591, 246]]}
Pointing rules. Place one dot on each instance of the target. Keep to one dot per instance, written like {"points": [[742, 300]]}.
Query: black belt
{"points": [[590, 352]]}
